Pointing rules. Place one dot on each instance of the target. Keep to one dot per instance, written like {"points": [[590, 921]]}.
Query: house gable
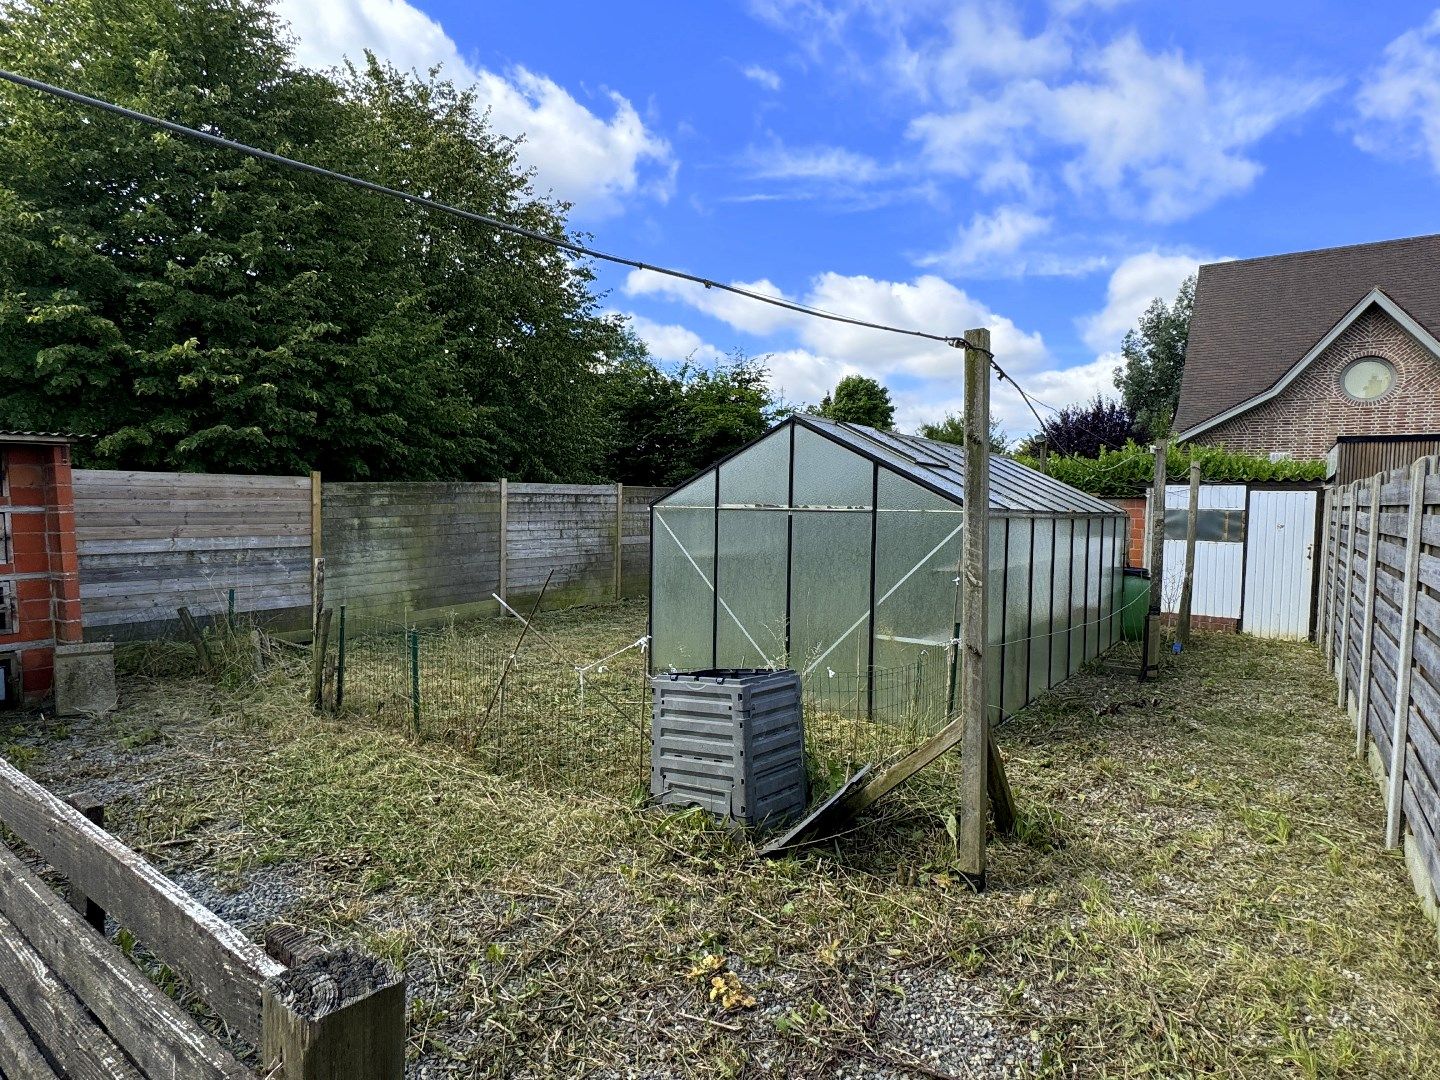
{"points": [[1304, 413]]}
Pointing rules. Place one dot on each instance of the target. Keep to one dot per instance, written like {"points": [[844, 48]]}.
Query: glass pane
{"points": [[830, 597], [683, 603], [1018, 569], [1097, 584], [1108, 576], [995, 617], [1060, 603], [827, 474], [1043, 558], [1078, 591], [699, 492], [917, 558], [751, 579], [759, 475]]}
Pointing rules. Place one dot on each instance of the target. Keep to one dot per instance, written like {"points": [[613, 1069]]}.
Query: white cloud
{"points": [[673, 344], [827, 163], [764, 77], [748, 316], [595, 162], [991, 242], [1135, 282], [1399, 101], [1151, 133]]}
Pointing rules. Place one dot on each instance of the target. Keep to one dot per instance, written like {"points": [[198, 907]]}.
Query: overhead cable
{"points": [[489, 220]]}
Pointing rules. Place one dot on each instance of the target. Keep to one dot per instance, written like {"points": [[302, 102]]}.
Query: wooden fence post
{"points": [[1187, 588], [94, 812], [1367, 637], [1400, 731], [974, 558], [503, 591], [317, 595], [619, 541], [334, 1016], [1343, 676]]}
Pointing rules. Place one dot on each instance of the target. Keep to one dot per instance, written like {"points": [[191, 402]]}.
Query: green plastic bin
{"points": [[1135, 600]]}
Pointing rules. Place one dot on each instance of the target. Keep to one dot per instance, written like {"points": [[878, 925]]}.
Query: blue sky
{"points": [[1043, 168]]}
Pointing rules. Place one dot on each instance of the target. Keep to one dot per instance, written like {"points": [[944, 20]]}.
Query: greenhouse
{"points": [[834, 549]]}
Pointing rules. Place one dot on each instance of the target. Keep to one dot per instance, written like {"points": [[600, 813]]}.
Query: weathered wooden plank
{"points": [[60, 1023], [19, 1056], [236, 546], [84, 532], [225, 968], [127, 479], [147, 1024]]}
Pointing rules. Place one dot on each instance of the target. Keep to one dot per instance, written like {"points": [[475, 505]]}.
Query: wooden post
{"points": [[1341, 699], [317, 595], [335, 1016], [619, 541], [503, 590], [1157, 560], [1187, 587], [974, 558], [317, 543], [1367, 637], [1342, 537], [1400, 730], [197, 639], [318, 648], [94, 812]]}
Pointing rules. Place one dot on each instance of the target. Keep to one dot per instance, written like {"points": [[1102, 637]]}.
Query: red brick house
{"points": [[1287, 353], [39, 572]]}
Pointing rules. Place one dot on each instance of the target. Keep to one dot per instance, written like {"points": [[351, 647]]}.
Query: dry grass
{"points": [[1197, 889]]}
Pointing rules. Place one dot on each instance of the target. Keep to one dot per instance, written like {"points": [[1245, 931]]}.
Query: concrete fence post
{"points": [[1367, 639], [1400, 732]]}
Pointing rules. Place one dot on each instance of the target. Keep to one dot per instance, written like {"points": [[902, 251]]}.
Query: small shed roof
{"points": [[49, 438]]}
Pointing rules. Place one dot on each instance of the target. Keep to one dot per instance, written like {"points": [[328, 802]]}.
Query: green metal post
{"points": [[415, 679], [340, 664]]}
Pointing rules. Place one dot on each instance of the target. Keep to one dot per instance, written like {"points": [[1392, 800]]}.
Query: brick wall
{"points": [[1304, 419], [42, 567], [1135, 552]]}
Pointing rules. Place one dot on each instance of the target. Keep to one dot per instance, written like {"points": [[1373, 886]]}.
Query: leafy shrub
{"points": [[1120, 474]]}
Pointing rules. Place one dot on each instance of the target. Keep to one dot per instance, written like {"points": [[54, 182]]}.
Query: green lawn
{"points": [[1197, 889]]}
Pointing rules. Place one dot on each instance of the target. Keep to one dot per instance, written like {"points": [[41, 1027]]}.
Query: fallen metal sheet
{"points": [[814, 822]]}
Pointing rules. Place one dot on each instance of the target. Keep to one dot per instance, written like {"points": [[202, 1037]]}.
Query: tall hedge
{"points": [[1120, 474]]}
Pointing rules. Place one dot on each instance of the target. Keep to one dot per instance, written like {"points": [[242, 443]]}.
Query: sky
{"points": [[1044, 169]]}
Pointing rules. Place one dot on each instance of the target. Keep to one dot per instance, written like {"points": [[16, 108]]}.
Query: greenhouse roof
{"points": [[940, 467]]}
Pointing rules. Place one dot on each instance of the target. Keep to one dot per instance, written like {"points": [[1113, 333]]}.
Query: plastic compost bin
{"points": [[731, 741], [1135, 599]]}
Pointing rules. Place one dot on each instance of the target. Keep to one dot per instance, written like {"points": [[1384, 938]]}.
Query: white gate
{"points": [[1254, 556], [1279, 564]]}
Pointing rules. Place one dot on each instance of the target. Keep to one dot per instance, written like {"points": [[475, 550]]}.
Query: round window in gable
{"points": [[1368, 379]]}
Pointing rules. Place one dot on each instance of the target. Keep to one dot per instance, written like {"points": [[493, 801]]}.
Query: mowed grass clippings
{"points": [[1197, 888]]}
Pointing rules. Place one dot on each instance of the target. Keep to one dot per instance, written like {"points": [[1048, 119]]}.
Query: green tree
{"points": [[859, 400], [951, 429], [1154, 352], [668, 425], [201, 310]]}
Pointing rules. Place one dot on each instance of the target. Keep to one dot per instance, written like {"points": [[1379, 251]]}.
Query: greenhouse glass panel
{"points": [[995, 618], [751, 579], [1060, 602], [1080, 531], [828, 475], [830, 600], [682, 608], [1095, 589], [917, 558], [1043, 556], [1016, 657], [760, 476]]}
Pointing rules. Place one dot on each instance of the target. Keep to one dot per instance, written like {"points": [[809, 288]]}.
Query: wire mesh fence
{"points": [[568, 723]]}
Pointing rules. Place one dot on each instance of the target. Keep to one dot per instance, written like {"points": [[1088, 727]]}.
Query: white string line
{"points": [[855, 625], [755, 644]]}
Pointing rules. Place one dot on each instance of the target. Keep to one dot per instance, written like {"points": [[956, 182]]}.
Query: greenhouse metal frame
{"points": [[834, 548]]}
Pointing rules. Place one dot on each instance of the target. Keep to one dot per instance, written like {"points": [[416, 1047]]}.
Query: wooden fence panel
{"points": [[1383, 561], [150, 542]]}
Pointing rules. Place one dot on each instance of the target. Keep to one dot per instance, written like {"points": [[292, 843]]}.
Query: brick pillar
{"points": [[60, 545]]}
